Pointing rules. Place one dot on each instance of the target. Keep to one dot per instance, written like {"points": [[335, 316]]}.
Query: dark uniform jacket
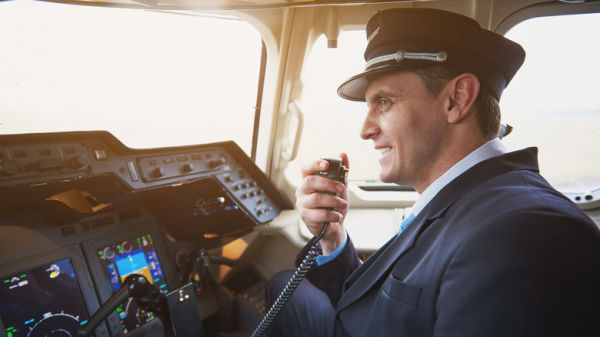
{"points": [[497, 252]]}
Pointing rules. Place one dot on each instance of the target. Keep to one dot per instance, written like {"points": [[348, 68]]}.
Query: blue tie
{"points": [[406, 222]]}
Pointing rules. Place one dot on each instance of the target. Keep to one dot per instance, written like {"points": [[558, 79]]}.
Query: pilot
{"points": [[490, 248]]}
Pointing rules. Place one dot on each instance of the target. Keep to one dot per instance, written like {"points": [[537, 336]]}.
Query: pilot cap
{"points": [[409, 38]]}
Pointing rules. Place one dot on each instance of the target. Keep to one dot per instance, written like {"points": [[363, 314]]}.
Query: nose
{"points": [[369, 128]]}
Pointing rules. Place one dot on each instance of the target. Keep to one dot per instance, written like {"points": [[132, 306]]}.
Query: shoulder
{"points": [[517, 225], [519, 194], [519, 212]]}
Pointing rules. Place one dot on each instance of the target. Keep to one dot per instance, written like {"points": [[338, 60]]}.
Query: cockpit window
{"points": [[553, 100], [152, 78], [332, 124], [552, 103]]}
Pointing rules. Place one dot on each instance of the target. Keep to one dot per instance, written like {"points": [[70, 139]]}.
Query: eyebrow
{"points": [[379, 94]]}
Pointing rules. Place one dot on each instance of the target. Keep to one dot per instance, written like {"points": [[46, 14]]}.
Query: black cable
{"points": [[338, 171], [293, 283]]}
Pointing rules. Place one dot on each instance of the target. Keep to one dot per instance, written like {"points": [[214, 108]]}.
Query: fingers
{"points": [[321, 201], [317, 192], [315, 218], [318, 208], [315, 166], [333, 234], [312, 184]]}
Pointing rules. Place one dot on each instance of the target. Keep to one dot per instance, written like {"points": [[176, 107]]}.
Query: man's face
{"points": [[406, 123]]}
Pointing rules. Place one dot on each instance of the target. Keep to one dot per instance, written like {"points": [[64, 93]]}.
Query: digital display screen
{"points": [[134, 256], [44, 301]]}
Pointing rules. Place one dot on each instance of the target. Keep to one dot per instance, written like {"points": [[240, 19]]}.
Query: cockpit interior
{"points": [[164, 138]]}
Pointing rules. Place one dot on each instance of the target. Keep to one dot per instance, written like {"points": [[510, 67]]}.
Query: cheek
{"points": [[423, 121], [405, 127]]}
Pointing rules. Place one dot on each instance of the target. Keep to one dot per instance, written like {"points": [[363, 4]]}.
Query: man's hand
{"points": [[312, 204]]}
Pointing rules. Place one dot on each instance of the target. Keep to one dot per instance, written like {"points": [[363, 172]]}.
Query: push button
{"points": [[132, 172], [186, 168], [100, 155], [158, 172]]}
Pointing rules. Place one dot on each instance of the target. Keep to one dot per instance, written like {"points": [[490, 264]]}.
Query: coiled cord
{"points": [[287, 292]]}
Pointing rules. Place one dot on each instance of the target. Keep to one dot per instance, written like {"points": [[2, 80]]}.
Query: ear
{"points": [[462, 92]]}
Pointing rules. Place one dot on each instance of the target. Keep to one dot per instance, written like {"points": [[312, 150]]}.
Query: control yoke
{"points": [[177, 310], [147, 297]]}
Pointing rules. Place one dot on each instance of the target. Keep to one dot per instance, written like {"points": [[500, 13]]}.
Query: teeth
{"points": [[384, 150]]}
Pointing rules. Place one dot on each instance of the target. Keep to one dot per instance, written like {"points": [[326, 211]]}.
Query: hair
{"points": [[488, 109]]}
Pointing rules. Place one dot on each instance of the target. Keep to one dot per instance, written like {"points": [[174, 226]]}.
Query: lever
{"points": [[197, 262], [138, 287]]}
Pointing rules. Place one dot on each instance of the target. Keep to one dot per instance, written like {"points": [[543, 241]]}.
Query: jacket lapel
{"points": [[376, 266], [365, 265], [368, 274]]}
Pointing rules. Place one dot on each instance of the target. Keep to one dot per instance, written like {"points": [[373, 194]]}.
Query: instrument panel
{"points": [[211, 189], [79, 212]]}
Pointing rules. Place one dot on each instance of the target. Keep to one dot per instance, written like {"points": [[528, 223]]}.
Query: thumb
{"points": [[345, 160]]}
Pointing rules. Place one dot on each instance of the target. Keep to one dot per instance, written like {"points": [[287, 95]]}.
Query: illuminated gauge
{"points": [[126, 247], [109, 253], [54, 271], [55, 325]]}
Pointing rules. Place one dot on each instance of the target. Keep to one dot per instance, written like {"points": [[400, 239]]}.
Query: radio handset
{"points": [[336, 171]]}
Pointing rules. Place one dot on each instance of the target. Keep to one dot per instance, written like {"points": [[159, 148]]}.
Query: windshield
{"points": [[551, 103], [152, 78]]}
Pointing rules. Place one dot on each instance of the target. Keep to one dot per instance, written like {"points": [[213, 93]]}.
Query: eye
{"points": [[384, 103]]}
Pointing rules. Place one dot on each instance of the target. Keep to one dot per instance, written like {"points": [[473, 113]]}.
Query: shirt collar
{"points": [[486, 151]]}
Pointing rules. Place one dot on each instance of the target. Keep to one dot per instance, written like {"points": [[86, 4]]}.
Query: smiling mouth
{"points": [[385, 150]]}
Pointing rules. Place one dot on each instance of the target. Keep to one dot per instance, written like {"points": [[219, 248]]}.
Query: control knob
{"points": [[187, 167], [216, 162], [76, 162], [158, 172]]}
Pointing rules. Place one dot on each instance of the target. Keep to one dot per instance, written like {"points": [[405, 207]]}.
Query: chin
{"points": [[386, 178], [388, 172], [393, 178]]}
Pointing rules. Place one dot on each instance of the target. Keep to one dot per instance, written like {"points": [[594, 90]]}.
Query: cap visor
{"points": [[354, 88]]}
